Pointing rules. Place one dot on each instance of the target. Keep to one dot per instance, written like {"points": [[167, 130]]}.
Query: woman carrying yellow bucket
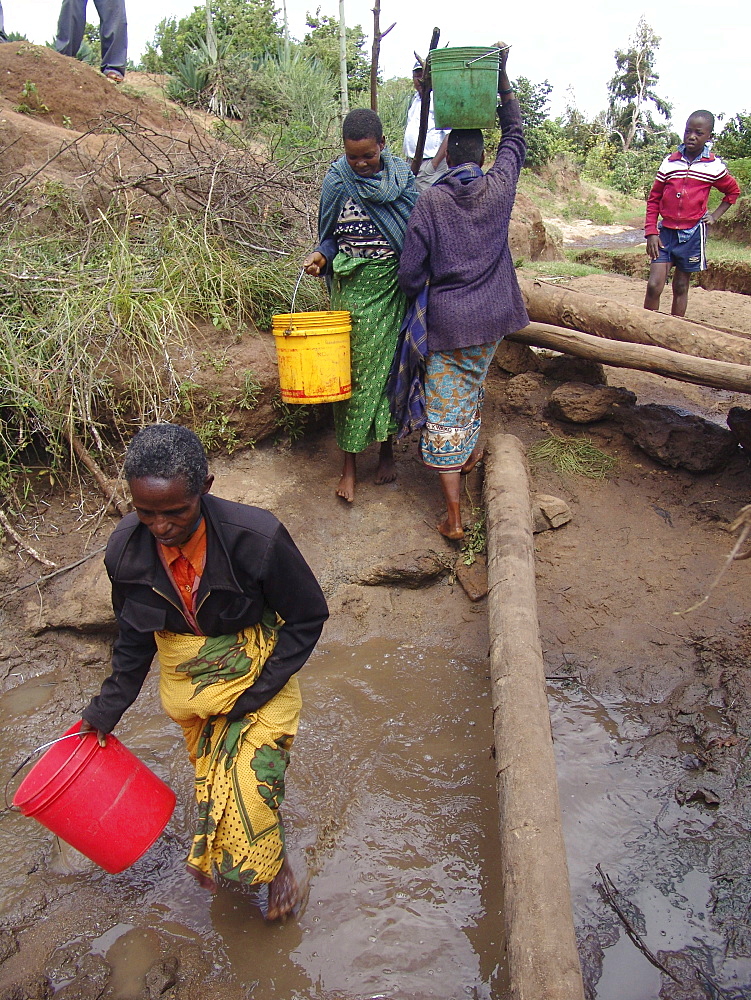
{"points": [[366, 199]]}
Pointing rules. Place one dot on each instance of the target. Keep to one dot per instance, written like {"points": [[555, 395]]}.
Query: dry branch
{"points": [[602, 317], [671, 364]]}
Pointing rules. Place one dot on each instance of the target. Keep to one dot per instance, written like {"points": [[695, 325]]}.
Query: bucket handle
{"points": [[9, 805], [490, 52], [289, 329]]}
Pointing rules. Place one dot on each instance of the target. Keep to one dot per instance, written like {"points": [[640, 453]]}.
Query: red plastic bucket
{"points": [[103, 801]]}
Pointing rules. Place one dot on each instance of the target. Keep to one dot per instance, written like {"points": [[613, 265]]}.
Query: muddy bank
{"points": [[720, 275], [391, 799]]}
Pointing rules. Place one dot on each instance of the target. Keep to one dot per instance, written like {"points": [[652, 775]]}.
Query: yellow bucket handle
{"points": [[490, 52], [289, 329]]}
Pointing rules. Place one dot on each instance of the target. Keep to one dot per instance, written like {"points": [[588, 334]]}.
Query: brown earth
{"points": [[669, 690], [643, 546]]}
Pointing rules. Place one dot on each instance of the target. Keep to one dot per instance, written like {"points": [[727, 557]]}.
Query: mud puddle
{"points": [[620, 811], [391, 818], [608, 240]]}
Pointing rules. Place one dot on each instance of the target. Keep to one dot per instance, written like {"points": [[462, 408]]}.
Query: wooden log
{"points": [[682, 367], [539, 928], [601, 317]]}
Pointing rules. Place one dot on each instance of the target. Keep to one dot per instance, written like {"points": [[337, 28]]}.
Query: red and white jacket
{"points": [[681, 190]]}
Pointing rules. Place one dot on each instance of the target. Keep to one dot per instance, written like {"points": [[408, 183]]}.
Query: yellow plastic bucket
{"points": [[312, 351]]}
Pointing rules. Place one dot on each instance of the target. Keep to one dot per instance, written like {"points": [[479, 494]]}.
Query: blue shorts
{"points": [[689, 255]]}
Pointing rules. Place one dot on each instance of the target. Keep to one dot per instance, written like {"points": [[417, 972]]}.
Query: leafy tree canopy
{"points": [[735, 139], [632, 91], [322, 41], [247, 26], [540, 132]]}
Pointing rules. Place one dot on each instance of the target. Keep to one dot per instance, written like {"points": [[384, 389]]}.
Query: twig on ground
{"points": [[609, 893], [744, 518], [49, 576], [24, 545]]}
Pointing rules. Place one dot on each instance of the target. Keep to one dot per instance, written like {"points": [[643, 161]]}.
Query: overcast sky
{"points": [[703, 60]]}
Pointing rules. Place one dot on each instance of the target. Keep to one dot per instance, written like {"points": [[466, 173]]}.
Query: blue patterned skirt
{"points": [[454, 391]]}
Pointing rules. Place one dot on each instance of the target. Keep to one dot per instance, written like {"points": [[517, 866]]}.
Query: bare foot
{"points": [[284, 893], [386, 471], [346, 487], [474, 458], [203, 880], [450, 530]]}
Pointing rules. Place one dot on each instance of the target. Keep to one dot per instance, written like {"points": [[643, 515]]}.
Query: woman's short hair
{"points": [[465, 145], [362, 123], [167, 451]]}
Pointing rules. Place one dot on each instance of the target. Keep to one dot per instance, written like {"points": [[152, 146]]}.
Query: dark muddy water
{"points": [[391, 811], [392, 821], [610, 241], [620, 811]]}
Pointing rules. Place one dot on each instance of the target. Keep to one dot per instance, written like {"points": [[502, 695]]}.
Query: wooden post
{"points": [[540, 940], [375, 53], [344, 92], [427, 86]]}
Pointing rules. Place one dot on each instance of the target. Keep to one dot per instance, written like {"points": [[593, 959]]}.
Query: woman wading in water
{"points": [[221, 594], [366, 199]]}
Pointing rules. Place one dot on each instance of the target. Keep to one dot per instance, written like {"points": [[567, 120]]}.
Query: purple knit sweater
{"points": [[457, 236]]}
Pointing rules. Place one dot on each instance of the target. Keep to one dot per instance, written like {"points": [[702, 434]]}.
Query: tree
{"points": [[540, 132], [322, 42], [632, 90], [735, 139], [247, 26]]}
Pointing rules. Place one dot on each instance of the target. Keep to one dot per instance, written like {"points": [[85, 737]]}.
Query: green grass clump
{"points": [[590, 209], [561, 268], [729, 250], [92, 316], [573, 456]]}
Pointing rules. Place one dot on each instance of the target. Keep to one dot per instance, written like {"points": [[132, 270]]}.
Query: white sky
{"points": [[702, 61]]}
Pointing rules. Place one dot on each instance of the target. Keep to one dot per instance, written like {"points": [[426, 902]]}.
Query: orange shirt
{"points": [[185, 564]]}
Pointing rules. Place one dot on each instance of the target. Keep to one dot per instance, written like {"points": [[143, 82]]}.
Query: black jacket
{"points": [[251, 564]]}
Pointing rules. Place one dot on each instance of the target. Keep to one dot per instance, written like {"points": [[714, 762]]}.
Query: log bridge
{"points": [[624, 336]]}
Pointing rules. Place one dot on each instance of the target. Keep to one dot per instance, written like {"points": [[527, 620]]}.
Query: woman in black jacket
{"points": [[222, 594]]}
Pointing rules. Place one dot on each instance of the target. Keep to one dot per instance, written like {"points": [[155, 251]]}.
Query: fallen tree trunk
{"points": [[682, 367], [538, 919], [601, 317]]}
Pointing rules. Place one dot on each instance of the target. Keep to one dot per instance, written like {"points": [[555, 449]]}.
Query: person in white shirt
{"points": [[434, 154]]}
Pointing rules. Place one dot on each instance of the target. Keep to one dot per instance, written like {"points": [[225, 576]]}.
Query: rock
{"points": [[739, 422], [162, 976], [409, 569], [516, 358], [554, 511], [526, 394], [81, 600], [582, 403], [678, 438], [564, 368], [474, 578], [528, 236]]}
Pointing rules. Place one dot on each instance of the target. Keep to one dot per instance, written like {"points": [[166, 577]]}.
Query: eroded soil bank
{"points": [[390, 802]]}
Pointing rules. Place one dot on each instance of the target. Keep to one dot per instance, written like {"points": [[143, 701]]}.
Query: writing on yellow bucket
{"points": [[312, 351]]}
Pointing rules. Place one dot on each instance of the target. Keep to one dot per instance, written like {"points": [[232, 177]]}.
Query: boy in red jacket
{"points": [[680, 194]]}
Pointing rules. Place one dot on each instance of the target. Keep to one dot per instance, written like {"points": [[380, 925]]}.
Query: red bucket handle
{"points": [[45, 746]]}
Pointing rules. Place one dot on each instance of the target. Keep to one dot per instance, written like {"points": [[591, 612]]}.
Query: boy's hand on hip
{"points": [[654, 245]]}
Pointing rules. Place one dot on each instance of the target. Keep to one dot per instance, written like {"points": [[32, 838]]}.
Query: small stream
{"points": [[391, 811]]}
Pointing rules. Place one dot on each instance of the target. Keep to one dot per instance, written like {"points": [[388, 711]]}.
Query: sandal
{"points": [[114, 75]]}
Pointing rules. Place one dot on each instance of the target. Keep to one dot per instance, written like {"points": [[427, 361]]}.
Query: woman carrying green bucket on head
{"points": [[366, 199]]}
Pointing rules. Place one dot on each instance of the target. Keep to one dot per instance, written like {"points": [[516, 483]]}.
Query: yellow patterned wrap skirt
{"points": [[240, 766]]}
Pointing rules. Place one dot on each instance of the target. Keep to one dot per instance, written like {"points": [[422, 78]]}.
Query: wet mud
{"points": [[391, 807]]}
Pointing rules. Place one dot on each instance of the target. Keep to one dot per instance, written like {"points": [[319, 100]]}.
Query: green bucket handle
{"points": [[490, 52]]}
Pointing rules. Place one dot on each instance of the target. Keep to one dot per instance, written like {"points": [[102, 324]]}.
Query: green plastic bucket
{"points": [[465, 86]]}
